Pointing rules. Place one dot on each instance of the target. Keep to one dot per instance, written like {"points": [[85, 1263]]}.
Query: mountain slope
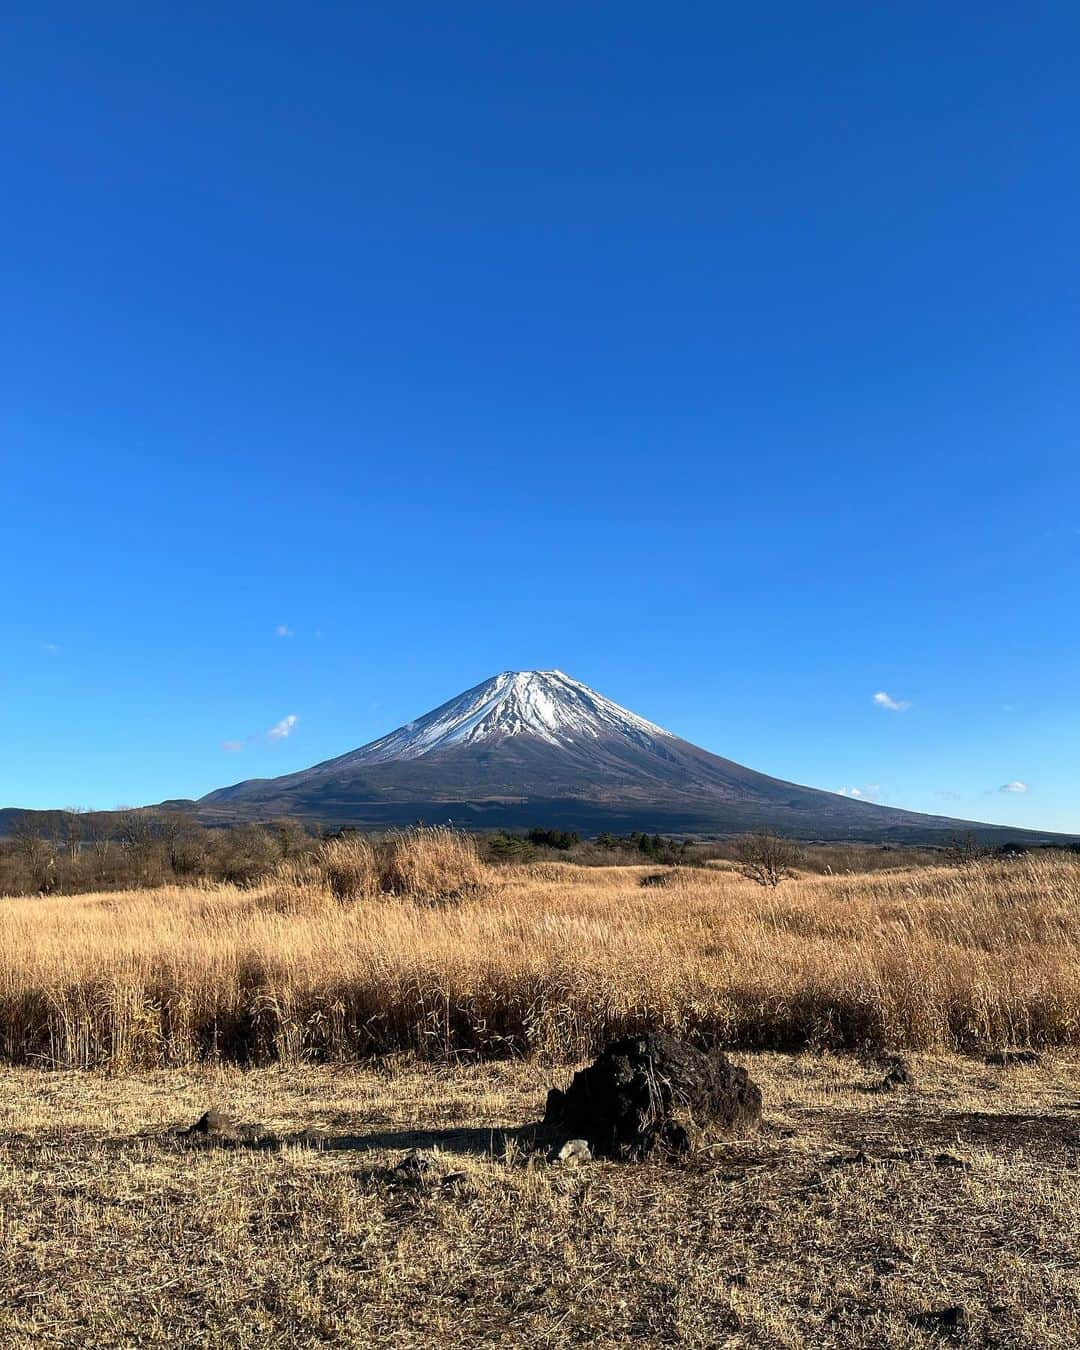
{"points": [[528, 747]]}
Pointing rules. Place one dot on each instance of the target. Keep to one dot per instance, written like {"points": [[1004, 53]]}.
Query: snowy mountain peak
{"points": [[545, 704]]}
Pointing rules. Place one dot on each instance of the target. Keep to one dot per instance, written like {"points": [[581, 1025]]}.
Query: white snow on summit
{"points": [[545, 704]]}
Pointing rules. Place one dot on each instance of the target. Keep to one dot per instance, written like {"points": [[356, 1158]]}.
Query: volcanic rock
{"points": [[221, 1127], [897, 1074], [651, 1093], [1009, 1059]]}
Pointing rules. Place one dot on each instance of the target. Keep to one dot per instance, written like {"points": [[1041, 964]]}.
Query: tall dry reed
{"points": [[426, 863], [554, 958]]}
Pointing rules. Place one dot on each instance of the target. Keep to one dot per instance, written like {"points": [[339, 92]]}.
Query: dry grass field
{"points": [[415, 999], [849, 1220], [434, 954]]}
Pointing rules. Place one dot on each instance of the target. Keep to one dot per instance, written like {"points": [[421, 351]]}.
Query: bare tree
{"points": [[184, 841], [134, 828], [36, 852], [767, 858], [73, 829], [964, 850], [98, 829], [139, 836]]}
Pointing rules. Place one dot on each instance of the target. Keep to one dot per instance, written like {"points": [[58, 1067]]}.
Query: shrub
{"points": [[425, 863], [432, 863], [505, 847], [349, 867], [767, 858], [964, 850]]}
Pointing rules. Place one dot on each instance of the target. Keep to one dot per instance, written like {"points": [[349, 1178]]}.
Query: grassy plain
{"points": [[427, 1002], [552, 959]]}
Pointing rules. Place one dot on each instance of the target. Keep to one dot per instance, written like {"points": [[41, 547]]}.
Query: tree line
{"points": [[81, 851]]}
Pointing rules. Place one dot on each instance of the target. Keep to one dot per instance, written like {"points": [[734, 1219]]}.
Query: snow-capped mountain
{"points": [[535, 747], [543, 703]]}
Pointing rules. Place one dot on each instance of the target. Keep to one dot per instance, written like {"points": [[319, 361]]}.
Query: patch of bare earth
{"points": [[945, 1211]]}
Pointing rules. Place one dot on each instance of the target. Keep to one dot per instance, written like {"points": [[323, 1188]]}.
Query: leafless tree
{"points": [[767, 858], [185, 842], [139, 835], [964, 850], [73, 825], [36, 852], [100, 838]]}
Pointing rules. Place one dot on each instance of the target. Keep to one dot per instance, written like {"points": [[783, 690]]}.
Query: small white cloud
{"points": [[869, 792], [232, 746], [281, 729], [1015, 786], [946, 796], [50, 648], [884, 700], [283, 630]]}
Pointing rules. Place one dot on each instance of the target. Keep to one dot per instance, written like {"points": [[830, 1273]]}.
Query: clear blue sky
{"points": [[723, 356]]}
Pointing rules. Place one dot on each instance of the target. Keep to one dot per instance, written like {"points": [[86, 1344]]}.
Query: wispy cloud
{"points": [[1015, 786], [946, 796], [884, 700], [50, 648], [869, 792], [281, 729], [283, 630], [278, 732]]}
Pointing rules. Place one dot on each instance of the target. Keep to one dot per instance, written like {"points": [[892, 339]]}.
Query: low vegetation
{"points": [[66, 852], [414, 944], [393, 1201], [423, 864], [74, 852], [945, 1212]]}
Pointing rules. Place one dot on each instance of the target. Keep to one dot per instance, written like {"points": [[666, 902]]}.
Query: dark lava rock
{"points": [[1009, 1058], [944, 1321], [416, 1166], [424, 1172], [897, 1074], [219, 1126], [217, 1129], [652, 1093]]}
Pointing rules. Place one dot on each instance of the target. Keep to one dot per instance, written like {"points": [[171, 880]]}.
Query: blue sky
{"points": [[723, 357]]}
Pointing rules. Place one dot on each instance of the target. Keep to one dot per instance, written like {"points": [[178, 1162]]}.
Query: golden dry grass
{"points": [[429, 863], [553, 959], [848, 1217]]}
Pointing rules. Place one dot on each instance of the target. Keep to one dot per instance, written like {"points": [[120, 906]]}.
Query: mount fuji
{"points": [[537, 747]]}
